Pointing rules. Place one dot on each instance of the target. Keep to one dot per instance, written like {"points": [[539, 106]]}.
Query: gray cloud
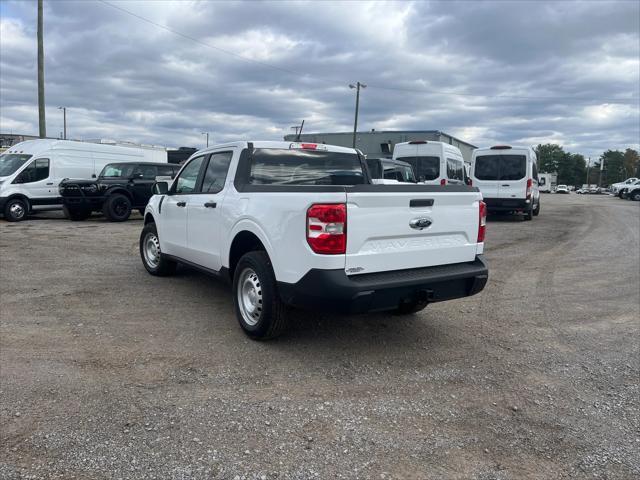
{"points": [[124, 78]]}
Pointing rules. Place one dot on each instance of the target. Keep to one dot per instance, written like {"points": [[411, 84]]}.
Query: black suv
{"points": [[119, 188]]}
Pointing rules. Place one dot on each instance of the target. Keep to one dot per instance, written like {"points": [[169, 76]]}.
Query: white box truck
{"points": [[31, 171]]}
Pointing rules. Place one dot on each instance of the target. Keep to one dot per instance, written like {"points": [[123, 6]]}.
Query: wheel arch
{"points": [[246, 239], [20, 196]]}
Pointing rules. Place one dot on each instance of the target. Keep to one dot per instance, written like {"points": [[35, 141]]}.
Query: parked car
{"points": [[622, 192], [120, 188], [508, 179], [562, 189], [433, 163], [31, 171], [616, 187], [300, 225], [388, 169], [595, 190]]}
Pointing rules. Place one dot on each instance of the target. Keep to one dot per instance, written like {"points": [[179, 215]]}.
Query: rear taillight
{"points": [[529, 187], [327, 228], [443, 181], [482, 221]]}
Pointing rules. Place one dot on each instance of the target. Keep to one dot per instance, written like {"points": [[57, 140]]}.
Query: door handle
{"points": [[505, 185], [49, 183], [181, 204], [210, 205]]}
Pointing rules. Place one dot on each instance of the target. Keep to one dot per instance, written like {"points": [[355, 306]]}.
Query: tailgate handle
{"points": [[426, 202]]}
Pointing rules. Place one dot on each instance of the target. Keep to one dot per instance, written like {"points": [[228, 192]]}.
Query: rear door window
{"points": [[274, 166], [146, 172], [512, 167], [425, 168], [500, 167], [455, 169]]}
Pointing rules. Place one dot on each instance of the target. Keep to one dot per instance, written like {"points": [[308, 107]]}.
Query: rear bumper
{"points": [[333, 290], [506, 204]]}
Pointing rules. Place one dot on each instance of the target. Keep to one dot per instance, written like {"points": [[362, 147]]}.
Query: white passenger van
{"points": [[31, 171], [508, 179], [434, 163]]}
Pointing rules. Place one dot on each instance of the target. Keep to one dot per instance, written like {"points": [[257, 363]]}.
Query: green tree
{"points": [[549, 157], [631, 163], [613, 167]]}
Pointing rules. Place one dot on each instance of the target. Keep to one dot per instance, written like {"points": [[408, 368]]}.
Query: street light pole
{"points": [[357, 86], [40, 34], [64, 119], [207, 134]]}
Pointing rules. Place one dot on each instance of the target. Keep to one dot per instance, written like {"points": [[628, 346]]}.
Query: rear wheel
{"points": [[536, 211], [117, 207], [152, 258], [635, 196], [76, 214], [528, 215], [16, 210], [259, 309]]}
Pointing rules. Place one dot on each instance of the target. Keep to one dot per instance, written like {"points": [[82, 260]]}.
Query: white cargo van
{"points": [[508, 179], [434, 163], [31, 171]]}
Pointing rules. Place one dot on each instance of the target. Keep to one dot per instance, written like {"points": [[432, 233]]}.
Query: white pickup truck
{"points": [[301, 225]]}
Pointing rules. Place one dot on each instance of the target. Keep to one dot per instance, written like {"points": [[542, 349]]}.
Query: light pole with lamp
{"points": [[357, 86], [207, 134]]}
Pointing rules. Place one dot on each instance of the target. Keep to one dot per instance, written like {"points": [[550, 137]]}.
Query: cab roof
{"points": [[277, 144]]}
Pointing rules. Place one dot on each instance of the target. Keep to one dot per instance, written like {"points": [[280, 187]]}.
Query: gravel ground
{"points": [[108, 372]]}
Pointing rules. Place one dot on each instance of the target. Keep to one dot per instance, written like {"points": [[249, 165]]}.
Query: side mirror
{"points": [[160, 188]]}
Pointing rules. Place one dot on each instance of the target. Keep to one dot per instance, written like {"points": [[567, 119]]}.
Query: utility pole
{"points": [[207, 134], [601, 168], [64, 119], [41, 119], [357, 86], [588, 167]]}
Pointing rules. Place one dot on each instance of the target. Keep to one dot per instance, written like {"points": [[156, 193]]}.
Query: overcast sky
{"points": [[488, 72]]}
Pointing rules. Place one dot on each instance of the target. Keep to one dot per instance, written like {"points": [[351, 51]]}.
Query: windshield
{"points": [[500, 167], [115, 170], [425, 168], [10, 162], [273, 166]]}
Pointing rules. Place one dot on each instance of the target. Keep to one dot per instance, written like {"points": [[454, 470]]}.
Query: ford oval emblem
{"points": [[420, 223]]}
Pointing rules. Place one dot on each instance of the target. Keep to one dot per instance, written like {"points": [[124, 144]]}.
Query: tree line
{"points": [[571, 168]]}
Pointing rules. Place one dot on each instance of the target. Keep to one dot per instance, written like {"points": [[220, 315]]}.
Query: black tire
{"points": [[635, 196], [536, 211], [16, 210], [268, 314], [410, 308], [621, 194], [76, 214], [117, 208], [163, 266]]}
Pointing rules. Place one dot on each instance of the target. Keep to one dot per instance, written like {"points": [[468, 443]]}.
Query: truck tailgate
{"points": [[410, 226]]}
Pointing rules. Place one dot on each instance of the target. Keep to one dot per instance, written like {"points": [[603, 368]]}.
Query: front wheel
{"points": [[117, 207], [152, 258], [16, 210], [260, 312], [635, 196]]}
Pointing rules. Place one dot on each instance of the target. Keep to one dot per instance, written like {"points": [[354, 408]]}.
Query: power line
{"points": [[379, 87]]}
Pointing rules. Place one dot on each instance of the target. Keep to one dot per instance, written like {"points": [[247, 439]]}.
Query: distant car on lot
{"points": [[120, 188], [508, 179], [616, 187], [389, 169], [622, 193], [595, 190], [434, 163], [562, 189], [31, 171]]}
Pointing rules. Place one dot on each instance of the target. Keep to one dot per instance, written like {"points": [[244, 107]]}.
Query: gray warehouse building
{"points": [[377, 144]]}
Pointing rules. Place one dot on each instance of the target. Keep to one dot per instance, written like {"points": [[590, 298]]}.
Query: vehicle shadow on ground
{"points": [[319, 332]]}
